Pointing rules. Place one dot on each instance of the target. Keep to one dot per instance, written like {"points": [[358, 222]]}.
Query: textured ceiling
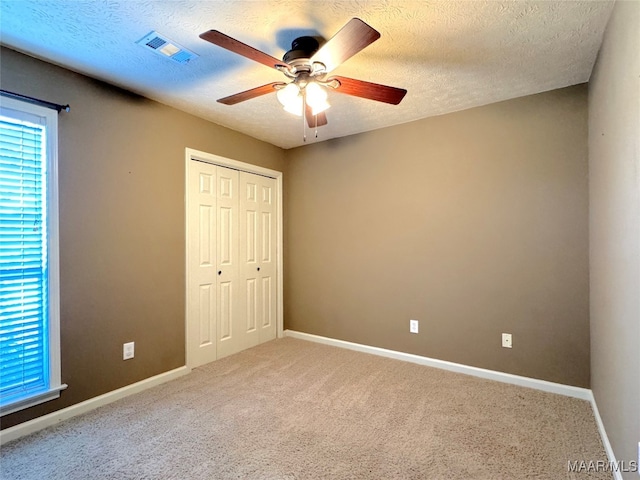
{"points": [[449, 55]]}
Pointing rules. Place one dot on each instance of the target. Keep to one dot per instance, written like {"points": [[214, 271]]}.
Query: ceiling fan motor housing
{"points": [[301, 47]]}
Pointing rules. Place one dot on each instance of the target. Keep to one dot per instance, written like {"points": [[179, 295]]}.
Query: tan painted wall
{"points": [[121, 225], [474, 223], [614, 216]]}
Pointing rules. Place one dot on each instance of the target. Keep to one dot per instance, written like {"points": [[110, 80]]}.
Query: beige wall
{"points": [[121, 225], [614, 191], [475, 223]]}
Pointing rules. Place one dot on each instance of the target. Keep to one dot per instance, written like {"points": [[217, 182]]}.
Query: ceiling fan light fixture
{"points": [[291, 98], [294, 106], [288, 94], [316, 98]]}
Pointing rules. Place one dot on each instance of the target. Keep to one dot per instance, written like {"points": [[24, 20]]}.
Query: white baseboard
{"points": [[559, 388], [50, 419], [617, 475]]}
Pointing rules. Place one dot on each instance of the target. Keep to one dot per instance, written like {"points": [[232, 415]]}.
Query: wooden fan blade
{"points": [[351, 38], [235, 46], [372, 91], [249, 94], [321, 118]]}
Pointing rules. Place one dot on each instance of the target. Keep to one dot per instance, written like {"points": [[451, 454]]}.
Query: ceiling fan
{"points": [[307, 67]]}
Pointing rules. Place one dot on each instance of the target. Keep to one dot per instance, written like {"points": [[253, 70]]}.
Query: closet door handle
{"points": [[219, 272], [258, 268]]}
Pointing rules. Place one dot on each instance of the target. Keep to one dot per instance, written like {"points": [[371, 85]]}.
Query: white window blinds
{"points": [[29, 354]]}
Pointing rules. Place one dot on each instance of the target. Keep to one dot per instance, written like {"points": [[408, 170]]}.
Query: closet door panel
{"points": [[201, 290], [249, 261], [267, 247], [229, 315]]}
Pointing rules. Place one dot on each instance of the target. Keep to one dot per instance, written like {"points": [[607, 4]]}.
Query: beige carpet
{"points": [[291, 409]]}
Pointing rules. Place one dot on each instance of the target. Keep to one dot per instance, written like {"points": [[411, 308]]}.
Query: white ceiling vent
{"points": [[166, 48]]}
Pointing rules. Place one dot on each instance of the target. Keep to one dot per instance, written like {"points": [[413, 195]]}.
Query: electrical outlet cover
{"points": [[413, 326], [128, 350], [507, 340]]}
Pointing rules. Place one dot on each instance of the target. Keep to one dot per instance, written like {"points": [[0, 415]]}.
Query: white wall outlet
{"points": [[506, 340], [128, 350], [413, 326]]}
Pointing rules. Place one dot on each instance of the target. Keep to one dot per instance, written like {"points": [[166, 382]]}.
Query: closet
{"points": [[231, 261]]}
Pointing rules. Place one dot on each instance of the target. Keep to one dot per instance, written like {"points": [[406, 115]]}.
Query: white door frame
{"points": [[190, 155]]}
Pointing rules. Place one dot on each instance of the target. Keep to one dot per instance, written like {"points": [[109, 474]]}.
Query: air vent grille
{"points": [[155, 42], [166, 48]]}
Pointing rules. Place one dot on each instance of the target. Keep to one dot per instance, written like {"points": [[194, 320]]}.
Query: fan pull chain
{"points": [[304, 115], [304, 129]]}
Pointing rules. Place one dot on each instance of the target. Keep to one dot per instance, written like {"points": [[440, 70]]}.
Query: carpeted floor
{"points": [[291, 409]]}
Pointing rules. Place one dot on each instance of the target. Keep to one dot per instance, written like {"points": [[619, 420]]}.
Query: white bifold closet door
{"points": [[232, 242], [228, 326], [257, 258]]}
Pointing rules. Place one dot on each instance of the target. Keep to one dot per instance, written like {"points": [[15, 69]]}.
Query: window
{"points": [[29, 291]]}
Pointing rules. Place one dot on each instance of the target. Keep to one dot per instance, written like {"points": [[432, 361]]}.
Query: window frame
{"points": [[24, 111]]}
